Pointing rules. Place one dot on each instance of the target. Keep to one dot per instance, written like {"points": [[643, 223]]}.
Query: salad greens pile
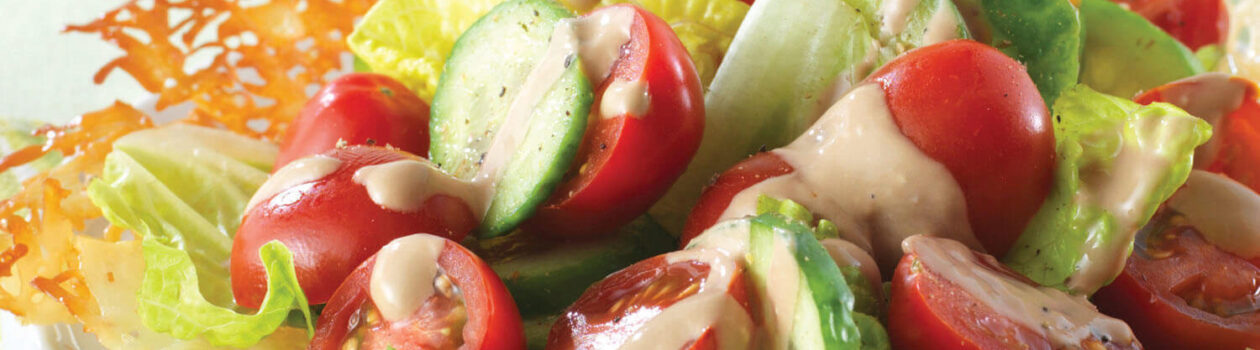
{"points": [[183, 190]]}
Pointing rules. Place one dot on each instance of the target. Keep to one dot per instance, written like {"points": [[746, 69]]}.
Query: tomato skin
{"points": [[1237, 134], [1143, 295], [333, 226], [361, 109], [717, 196], [1195, 23], [493, 321], [596, 318], [978, 113], [928, 311], [626, 163]]}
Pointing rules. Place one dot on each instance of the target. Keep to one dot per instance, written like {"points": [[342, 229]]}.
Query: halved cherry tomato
{"points": [[929, 311], [490, 320], [611, 311], [627, 162], [966, 105], [331, 225], [1236, 136], [359, 109], [718, 196], [1178, 291], [1196, 23]]}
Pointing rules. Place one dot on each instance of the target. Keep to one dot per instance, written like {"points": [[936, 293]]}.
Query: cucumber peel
{"points": [[485, 73], [1126, 54]]}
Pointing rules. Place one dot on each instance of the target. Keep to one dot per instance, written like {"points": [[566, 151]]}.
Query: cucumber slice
{"points": [[545, 276], [483, 76], [1044, 35], [1126, 54], [823, 315]]}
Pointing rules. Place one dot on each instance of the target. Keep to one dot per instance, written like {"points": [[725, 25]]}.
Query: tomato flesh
{"points": [[334, 225], [1195, 23], [1178, 291], [929, 311], [1236, 134], [358, 109], [626, 163], [481, 315], [610, 311]]}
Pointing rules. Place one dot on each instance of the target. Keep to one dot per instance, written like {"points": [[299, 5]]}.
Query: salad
{"points": [[651, 174]]}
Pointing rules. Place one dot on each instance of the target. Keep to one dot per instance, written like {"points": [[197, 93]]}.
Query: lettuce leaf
{"points": [[170, 301], [409, 40], [1117, 161], [183, 190]]}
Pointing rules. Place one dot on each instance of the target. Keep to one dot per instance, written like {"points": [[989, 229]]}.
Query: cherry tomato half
{"points": [[1179, 291], [331, 224], [1196, 23], [626, 163], [611, 311], [930, 311], [964, 104], [359, 109], [488, 319], [1235, 146]]}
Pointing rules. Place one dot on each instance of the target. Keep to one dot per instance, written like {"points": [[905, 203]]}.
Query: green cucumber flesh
{"points": [[486, 71], [1126, 54], [545, 276]]}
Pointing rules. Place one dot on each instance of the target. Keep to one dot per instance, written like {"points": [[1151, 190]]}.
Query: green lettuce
{"points": [[183, 190], [171, 303], [17, 134], [1079, 239]]}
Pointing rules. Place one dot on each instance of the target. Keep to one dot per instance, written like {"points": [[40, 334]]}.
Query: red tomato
{"points": [[361, 109], [626, 163], [1236, 135], [332, 225], [610, 311], [1196, 23], [1178, 291], [929, 311], [492, 321], [718, 196], [976, 111], [967, 106]]}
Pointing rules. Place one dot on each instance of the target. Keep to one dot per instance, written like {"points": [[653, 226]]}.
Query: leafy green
{"points": [[16, 135], [170, 301], [409, 40], [865, 299], [1117, 161], [183, 189], [874, 337]]}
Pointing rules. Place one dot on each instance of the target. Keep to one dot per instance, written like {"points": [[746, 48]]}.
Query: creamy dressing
{"points": [[625, 98], [1120, 190], [596, 41], [845, 253], [1209, 96], [856, 169], [1223, 210], [896, 13], [1062, 319], [404, 273], [295, 173], [404, 185], [943, 26], [711, 307]]}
